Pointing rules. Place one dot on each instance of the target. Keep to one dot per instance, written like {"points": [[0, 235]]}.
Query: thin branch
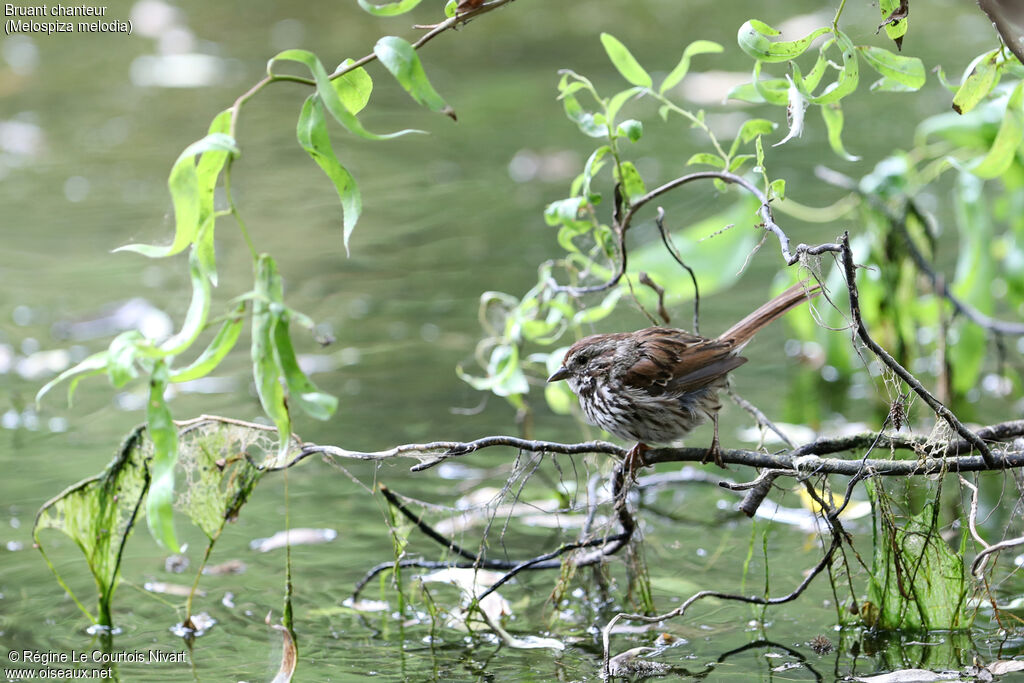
{"points": [[862, 331], [659, 220], [765, 211], [794, 463], [752, 599]]}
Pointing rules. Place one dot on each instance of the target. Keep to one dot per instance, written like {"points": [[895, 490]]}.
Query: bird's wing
{"points": [[674, 361]]}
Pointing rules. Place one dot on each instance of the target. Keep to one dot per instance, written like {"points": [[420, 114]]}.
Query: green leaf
{"points": [[754, 38], [896, 29], [972, 282], [1004, 148], [301, 389], [777, 189], [391, 9], [907, 71], [121, 355], [399, 57], [624, 61], [978, 85], [98, 514], [677, 74], [208, 170], [198, 309], [353, 87], [587, 122], [505, 376], [738, 161], [629, 178], [833, 117], [617, 100], [266, 372], [450, 8], [849, 74], [312, 134], [328, 95], [917, 582], [751, 129], [744, 92], [563, 210], [630, 128], [185, 195], [814, 76], [707, 159], [773, 90], [218, 349], [590, 169], [95, 364], [164, 436]]}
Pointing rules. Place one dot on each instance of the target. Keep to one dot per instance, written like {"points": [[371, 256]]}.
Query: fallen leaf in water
{"points": [[229, 567], [471, 582], [366, 605], [911, 676], [1004, 666], [300, 536], [197, 625], [170, 588], [289, 655]]}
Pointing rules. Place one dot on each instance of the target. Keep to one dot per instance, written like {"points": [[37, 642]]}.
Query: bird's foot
{"points": [[634, 461], [714, 451]]}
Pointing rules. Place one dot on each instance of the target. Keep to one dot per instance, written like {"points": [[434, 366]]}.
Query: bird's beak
{"points": [[560, 373]]}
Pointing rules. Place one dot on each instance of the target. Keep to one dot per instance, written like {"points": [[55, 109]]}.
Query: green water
{"points": [[442, 223]]}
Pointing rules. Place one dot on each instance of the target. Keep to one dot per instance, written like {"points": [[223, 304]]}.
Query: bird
{"points": [[656, 385]]}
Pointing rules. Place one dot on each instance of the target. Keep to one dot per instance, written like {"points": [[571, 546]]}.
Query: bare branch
{"points": [[862, 331]]}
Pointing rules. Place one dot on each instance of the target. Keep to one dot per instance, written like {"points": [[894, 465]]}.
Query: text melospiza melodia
{"points": [[656, 385]]}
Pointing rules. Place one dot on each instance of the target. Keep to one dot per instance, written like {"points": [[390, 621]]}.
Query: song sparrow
{"points": [[656, 385]]}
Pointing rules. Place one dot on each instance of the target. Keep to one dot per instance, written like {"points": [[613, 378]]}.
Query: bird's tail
{"points": [[743, 331]]}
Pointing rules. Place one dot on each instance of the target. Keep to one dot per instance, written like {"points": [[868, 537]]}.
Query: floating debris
{"points": [[299, 536], [629, 664], [175, 589], [229, 567], [195, 627], [176, 564]]}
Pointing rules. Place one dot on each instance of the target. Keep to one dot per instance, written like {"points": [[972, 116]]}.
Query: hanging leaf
{"points": [[391, 9], [677, 74], [185, 192], [329, 96], [754, 38], [1008, 139], [312, 134], [164, 435], [623, 60], [400, 58]]}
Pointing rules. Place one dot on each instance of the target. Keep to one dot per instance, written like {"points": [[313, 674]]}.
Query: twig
{"points": [[646, 280], [752, 599], [791, 462], [427, 529], [761, 418], [862, 331], [768, 222], [659, 220]]}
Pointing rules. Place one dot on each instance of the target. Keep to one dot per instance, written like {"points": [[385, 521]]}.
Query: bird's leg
{"points": [[634, 460], [714, 452]]}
